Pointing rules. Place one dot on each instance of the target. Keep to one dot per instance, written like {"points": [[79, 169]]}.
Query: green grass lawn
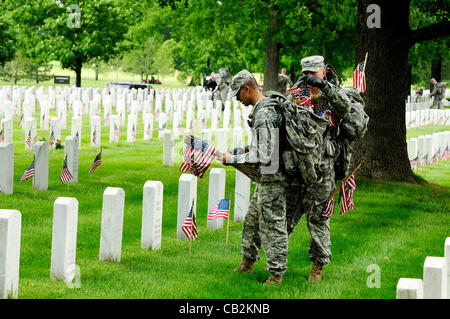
{"points": [[425, 130], [395, 226]]}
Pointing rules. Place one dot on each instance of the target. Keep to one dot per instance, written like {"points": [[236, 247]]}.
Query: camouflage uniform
{"points": [[265, 221], [438, 92], [315, 196], [222, 81]]}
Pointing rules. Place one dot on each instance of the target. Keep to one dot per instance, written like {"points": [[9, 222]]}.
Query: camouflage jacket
{"points": [[264, 150]]}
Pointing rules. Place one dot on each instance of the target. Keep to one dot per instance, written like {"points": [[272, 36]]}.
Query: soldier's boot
{"points": [[246, 265], [273, 280], [316, 271]]}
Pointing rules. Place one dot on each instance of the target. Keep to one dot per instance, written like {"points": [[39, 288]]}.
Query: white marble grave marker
{"points": [[112, 224], [64, 239], [168, 148], [409, 288], [96, 130], [114, 129], [148, 126], [10, 232], [187, 191], [6, 168], [131, 129], [241, 196], [435, 278], [152, 208], [41, 162], [216, 193], [72, 152]]}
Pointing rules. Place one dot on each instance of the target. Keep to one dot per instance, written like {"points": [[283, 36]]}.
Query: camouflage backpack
{"points": [[304, 133]]}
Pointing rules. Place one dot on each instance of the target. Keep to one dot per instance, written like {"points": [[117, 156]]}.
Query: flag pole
{"points": [[192, 222], [228, 220]]}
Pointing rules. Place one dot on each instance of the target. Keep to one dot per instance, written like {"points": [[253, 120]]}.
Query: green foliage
{"points": [[7, 41]]}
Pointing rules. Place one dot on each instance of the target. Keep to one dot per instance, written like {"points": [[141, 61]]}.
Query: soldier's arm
{"points": [[433, 93], [339, 101], [264, 140]]}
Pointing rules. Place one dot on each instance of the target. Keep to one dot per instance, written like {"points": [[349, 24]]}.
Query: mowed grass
{"points": [[395, 226]]}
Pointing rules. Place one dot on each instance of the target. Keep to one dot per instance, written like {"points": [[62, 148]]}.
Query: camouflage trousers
{"points": [[311, 201], [265, 223]]}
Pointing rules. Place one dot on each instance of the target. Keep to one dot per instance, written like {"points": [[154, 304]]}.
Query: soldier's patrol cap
{"points": [[239, 80], [312, 63]]}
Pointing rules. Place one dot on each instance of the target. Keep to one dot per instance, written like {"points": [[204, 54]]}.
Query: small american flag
{"points": [[106, 120], [28, 140], [436, 156], [29, 172], [65, 176], [116, 130], [222, 209], [190, 225], [147, 130], [163, 127], [97, 162], [414, 161], [19, 124], [347, 189], [446, 155], [329, 208], [197, 157], [52, 138], [2, 135], [359, 79]]}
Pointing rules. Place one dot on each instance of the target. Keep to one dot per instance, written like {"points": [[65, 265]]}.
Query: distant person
{"points": [[210, 83], [438, 93], [419, 94], [283, 81], [223, 85]]}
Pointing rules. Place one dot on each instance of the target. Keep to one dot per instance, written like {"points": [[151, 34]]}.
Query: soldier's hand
{"points": [[313, 81]]}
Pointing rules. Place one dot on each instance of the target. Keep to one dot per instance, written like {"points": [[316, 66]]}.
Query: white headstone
{"points": [[435, 278], [168, 148], [72, 152], [10, 232], [64, 239], [112, 224], [429, 148], [44, 119], [6, 168], [7, 127], [447, 257], [187, 191], [216, 192], [132, 127], [222, 140], [76, 128], [409, 288], [114, 129], [148, 126], [41, 162], [96, 131], [162, 124], [152, 208], [241, 196]]}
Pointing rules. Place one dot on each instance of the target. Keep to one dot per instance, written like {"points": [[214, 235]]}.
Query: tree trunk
{"points": [[292, 74], [96, 72], [78, 73], [37, 76], [271, 63], [408, 80], [192, 83], [436, 68], [383, 148]]}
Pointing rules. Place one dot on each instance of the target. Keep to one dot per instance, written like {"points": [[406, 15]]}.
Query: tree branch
{"points": [[431, 32]]}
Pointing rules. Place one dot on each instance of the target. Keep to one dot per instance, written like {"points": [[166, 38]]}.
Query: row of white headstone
{"points": [[65, 222], [428, 149], [428, 116], [436, 279]]}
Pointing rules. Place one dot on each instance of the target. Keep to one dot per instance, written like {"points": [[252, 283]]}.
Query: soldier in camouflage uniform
{"points": [[331, 102], [265, 222]]}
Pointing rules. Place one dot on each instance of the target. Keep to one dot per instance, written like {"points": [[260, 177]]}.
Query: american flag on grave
{"points": [[414, 162], [1, 191], [94, 136], [436, 156], [197, 156], [97, 162], [423, 161], [446, 154], [347, 189], [20, 123], [66, 175], [2, 135], [52, 139], [329, 208], [29, 172], [189, 226], [28, 139], [106, 120], [148, 131], [116, 130], [221, 209], [163, 127], [359, 79]]}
